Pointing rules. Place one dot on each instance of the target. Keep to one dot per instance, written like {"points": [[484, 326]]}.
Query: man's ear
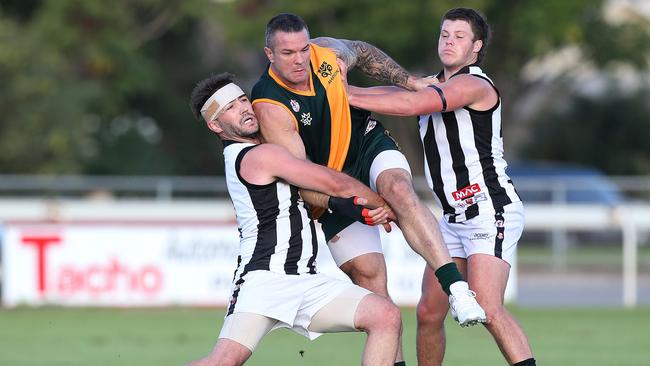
{"points": [[215, 126], [269, 54], [478, 44]]}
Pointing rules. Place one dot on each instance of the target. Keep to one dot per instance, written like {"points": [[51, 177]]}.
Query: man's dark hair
{"points": [[204, 90], [476, 20], [284, 22]]}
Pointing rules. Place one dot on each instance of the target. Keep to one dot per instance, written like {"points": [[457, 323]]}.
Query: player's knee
{"points": [[400, 190], [369, 276], [429, 311], [379, 315], [391, 319]]}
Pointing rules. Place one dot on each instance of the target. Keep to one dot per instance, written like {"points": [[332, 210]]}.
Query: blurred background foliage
{"points": [[102, 87]]}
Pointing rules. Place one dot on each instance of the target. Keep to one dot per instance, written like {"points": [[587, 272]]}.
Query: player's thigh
{"points": [[389, 161], [339, 314], [245, 329], [355, 240]]}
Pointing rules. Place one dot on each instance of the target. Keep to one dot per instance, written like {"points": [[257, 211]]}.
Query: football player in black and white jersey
{"points": [[276, 284], [460, 127]]}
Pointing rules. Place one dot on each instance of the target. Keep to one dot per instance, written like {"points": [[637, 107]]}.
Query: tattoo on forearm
{"points": [[369, 59], [378, 65]]}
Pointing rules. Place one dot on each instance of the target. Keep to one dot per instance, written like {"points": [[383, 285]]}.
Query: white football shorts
{"points": [[495, 234], [290, 300]]}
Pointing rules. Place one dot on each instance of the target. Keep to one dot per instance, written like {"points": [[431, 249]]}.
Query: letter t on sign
{"points": [[41, 242]]}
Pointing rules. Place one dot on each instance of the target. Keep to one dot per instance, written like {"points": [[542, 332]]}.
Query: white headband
{"points": [[215, 104]]}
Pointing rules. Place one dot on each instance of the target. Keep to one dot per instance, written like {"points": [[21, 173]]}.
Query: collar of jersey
{"points": [[308, 93]]}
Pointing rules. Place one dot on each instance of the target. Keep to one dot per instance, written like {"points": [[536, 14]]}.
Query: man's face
{"points": [[237, 119], [289, 56], [456, 47]]}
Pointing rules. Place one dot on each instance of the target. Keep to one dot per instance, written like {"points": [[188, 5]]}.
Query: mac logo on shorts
{"points": [[294, 105]]}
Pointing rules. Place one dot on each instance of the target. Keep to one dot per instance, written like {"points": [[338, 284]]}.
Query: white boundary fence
{"points": [[629, 219]]}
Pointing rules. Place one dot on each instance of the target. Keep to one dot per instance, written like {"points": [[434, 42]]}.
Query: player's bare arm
{"points": [[461, 91], [371, 61], [269, 162], [278, 126]]}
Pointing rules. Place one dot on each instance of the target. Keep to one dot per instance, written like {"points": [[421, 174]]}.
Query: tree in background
{"points": [[101, 87]]}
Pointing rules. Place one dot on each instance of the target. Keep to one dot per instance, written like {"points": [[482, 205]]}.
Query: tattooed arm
{"points": [[371, 61]]}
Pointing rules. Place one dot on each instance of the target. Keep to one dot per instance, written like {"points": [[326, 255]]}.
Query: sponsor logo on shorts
{"points": [[294, 105], [466, 192], [479, 236]]}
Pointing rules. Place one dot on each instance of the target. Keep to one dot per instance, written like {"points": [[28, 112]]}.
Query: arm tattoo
{"points": [[378, 65], [371, 60], [340, 47]]}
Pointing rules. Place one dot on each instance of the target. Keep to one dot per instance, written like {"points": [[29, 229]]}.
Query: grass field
{"points": [[70, 337]]}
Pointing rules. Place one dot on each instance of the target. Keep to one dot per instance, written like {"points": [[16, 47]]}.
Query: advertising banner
{"points": [[151, 264]]}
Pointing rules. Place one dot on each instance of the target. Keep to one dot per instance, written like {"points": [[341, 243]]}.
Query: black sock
{"points": [[526, 362], [448, 274], [401, 363]]}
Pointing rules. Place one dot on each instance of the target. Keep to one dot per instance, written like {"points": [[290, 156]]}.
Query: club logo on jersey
{"points": [[498, 223], [294, 105], [371, 124], [466, 192], [305, 119], [325, 69]]}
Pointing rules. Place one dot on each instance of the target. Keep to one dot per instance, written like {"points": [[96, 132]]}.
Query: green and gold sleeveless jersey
{"points": [[331, 131]]}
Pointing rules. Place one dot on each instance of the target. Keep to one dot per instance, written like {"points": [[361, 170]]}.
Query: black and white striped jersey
{"points": [[463, 159], [276, 232]]}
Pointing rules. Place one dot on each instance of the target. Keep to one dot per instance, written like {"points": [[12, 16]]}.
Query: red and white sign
{"points": [[149, 264], [110, 265]]}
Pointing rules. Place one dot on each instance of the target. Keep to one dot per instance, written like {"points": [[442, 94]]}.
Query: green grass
{"points": [[70, 337]]}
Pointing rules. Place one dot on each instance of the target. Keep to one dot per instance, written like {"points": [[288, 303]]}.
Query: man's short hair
{"points": [[476, 20], [204, 90], [284, 22]]}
